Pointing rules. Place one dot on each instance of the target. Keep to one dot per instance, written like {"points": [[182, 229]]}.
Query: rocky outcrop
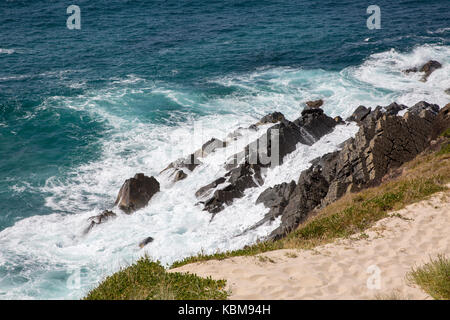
{"points": [[384, 141], [394, 108], [442, 121], [190, 162], [271, 118], [314, 104], [209, 147], [428, 68], [239, 179], [245, 168], [99, 219], [136, 192]]}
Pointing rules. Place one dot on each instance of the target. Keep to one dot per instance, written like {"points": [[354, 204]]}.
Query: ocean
{"points": [[143, 83]]}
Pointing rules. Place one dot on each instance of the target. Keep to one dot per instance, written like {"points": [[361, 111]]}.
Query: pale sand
{"points": [[340, 270]]}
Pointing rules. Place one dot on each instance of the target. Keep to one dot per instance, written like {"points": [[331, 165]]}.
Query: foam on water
{"points": [[7, 51], [41, 254]]}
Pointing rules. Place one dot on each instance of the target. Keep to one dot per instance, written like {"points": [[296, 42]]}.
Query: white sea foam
{"points": [[39, 253], [7, 51]]}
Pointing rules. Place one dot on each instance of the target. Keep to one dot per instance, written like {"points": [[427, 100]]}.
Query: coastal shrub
{"points": [[148, 280], [433, 277]]}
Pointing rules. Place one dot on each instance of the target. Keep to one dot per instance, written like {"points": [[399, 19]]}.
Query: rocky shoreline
{"points": [[384, 142]]}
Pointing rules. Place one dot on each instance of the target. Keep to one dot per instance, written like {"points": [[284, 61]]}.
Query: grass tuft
{"points": [[433, 277], [148, 280]]}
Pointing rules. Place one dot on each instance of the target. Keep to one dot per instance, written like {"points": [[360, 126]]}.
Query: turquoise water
{"points": [[82, 110]]}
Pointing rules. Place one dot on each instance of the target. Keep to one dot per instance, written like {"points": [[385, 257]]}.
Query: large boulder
{"points": [[311, 188], [136, 192], [145, 241]]}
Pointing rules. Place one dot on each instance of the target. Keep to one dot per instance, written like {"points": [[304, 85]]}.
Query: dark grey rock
{"points": [[429, 68], [271, 118]]}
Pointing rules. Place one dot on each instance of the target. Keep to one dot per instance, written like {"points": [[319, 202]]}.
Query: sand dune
{"points": [[367, 266]]}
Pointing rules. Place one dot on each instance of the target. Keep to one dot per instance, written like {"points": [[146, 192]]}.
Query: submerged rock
{"points": [[383, 142], [136, 192], [428, 68]]}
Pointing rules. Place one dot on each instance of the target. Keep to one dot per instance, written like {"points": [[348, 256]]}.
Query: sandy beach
{"points": [[371, 265]]}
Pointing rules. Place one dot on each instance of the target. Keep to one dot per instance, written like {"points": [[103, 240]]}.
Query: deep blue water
{"points": [[65, 93]]}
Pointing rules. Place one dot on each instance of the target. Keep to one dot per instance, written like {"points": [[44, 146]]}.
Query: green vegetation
{"points": [[147, 280], [433, 277]]}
